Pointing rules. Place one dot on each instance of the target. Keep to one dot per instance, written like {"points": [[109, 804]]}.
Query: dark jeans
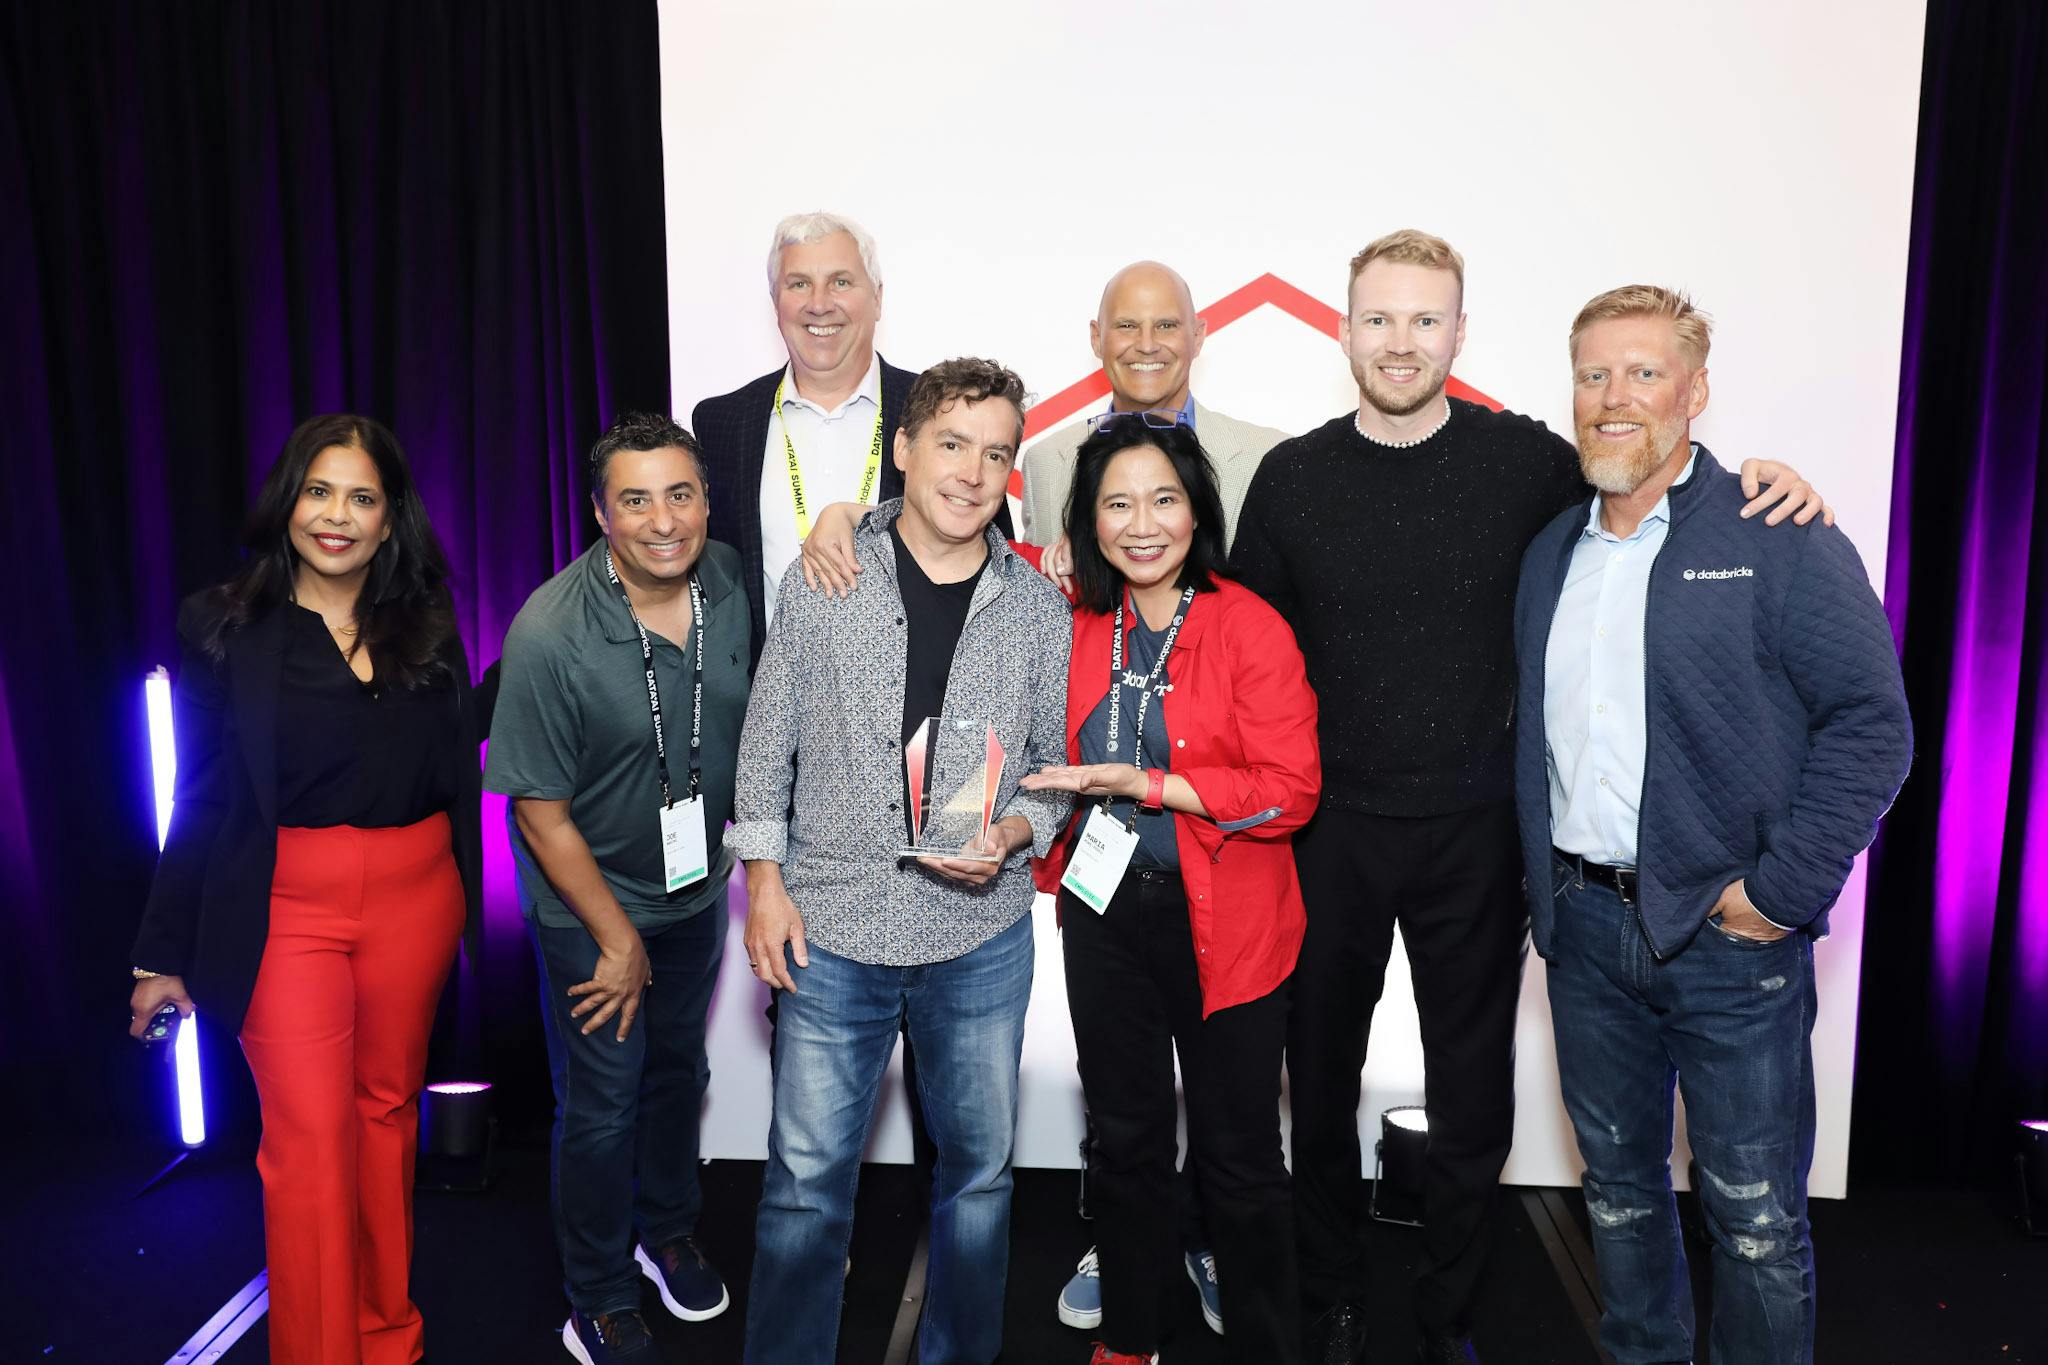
{"points": [[1135, 998], [1732, 1020], [1454, 885], [627, 1114]]}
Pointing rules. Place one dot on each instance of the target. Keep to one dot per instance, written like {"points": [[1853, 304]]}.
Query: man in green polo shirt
{"points": [[618, 721]]}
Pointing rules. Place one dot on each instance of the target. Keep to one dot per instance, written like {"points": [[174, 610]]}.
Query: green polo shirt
{"points": [[572, 723]]}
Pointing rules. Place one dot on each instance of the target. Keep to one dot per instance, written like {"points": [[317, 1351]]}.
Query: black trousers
{"points": [[1187, 1193], [1453, 884], [1136, 1000]]}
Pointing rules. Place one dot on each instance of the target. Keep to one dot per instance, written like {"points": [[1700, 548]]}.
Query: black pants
{"points": [[1453, 884], [1135, 998], [1187, 1194], [627, 1115]]}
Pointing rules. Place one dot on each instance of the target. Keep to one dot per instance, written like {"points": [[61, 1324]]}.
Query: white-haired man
{"points": [[813, 432]]}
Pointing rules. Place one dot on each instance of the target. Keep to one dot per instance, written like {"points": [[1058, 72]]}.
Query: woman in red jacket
{"points": [[1191, 739]]}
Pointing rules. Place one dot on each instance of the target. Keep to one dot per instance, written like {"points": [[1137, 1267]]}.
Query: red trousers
{"points": [[363, 928]]}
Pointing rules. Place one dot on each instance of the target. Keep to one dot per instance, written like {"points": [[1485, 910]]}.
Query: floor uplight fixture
{"points": [[2030, 1160], [457, 1136], [1398, 1161]]}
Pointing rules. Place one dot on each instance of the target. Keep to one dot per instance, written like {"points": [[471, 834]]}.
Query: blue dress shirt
{"points": [[1593, 698]]}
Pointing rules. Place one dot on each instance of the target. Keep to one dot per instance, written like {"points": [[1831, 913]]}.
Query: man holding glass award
{"points": [[887, 846]]}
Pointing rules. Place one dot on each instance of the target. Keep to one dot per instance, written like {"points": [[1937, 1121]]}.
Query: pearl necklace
{"points": [[1411, 441]]}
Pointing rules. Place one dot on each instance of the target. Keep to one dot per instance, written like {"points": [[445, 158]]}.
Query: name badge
{"points": [[1102, 852], [683, 859]]}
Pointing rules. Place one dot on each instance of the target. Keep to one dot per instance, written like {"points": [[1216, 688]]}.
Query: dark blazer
{"points": [[208, 914], [733, 428]]}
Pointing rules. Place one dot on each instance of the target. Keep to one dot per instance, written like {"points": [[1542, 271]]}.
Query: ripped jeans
{"points": [[1731, 1020]]}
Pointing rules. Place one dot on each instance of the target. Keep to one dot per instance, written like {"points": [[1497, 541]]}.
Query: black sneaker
{"points": [[609, 1339], [690, 1288], [1446, 1348]]}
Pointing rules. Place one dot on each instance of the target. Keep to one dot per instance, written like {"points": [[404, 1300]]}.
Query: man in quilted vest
{"points": [[1711, 724]]}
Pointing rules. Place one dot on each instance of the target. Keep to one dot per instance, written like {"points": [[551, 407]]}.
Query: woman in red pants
{"points": [[321, 866]]}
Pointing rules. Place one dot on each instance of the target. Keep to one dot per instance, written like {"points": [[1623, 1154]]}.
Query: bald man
{"points": [[1147, 335]]}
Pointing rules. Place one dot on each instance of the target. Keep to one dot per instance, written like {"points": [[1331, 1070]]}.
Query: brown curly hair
{"points": [[966, 378]]}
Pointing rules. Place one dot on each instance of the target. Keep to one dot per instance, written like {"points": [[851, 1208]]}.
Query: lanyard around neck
{"points": [[1148, 682], [611, 571], [868, 474]]}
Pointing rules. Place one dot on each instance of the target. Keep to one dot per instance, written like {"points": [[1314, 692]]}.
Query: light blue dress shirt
{"points": [[1593, 687]]}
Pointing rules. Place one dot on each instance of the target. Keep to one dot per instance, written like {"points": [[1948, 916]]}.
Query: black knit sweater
{"points": [[1397, 569]]}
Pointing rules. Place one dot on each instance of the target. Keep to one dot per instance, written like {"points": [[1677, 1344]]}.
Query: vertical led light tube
{"points": [[163, 770]]}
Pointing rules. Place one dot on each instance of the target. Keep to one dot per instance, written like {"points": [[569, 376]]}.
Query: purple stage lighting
{"points": [[163, 771]]}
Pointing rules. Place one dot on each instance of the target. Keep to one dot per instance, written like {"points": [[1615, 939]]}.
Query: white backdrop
{"points": [[1009, 159]]}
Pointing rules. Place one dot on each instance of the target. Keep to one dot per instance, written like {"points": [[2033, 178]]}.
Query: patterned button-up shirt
{"points": [[820, 786]]}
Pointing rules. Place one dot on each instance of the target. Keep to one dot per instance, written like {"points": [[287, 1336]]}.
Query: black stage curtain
{"points": [[1952, 1044], [220, 218]]}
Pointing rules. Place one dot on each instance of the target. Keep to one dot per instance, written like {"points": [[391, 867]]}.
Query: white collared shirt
{"points": [[1593, 687], [831, 450]]}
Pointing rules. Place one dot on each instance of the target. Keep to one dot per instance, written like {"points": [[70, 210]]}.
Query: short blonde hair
{"points": [[1695, 329], [1409, 247]]}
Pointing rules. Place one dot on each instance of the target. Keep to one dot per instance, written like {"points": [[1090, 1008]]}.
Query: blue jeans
{"points": [[1732, 1020], [627, 1115], [833, 1038]]}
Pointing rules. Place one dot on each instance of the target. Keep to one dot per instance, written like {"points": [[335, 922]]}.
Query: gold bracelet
{"points": [[142, 973]]}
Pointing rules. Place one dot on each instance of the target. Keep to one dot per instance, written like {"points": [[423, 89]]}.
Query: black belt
{"points": [[1157, 875], [1620, 880]]}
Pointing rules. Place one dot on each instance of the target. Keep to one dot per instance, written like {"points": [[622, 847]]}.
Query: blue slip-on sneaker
{"points": [[1081, 1300], [690, 1288], [609, 1338], [1202, 1270]]}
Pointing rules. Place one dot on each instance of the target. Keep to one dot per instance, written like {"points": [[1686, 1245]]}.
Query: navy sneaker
{"points": [[1202, 1270], [690, 1288], [1081, 1300], [609, 1338]]}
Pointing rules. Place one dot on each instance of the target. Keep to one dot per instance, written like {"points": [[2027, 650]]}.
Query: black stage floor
{"points": [[96, 1274]]}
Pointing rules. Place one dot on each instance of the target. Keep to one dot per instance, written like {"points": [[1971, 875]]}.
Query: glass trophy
{"points": [[952, 766]]}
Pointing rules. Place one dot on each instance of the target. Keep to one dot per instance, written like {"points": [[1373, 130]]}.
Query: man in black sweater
{"points": [[1392, 538]]}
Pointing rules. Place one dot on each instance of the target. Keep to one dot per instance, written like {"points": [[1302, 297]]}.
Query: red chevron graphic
{"points": [[1267, 289]]}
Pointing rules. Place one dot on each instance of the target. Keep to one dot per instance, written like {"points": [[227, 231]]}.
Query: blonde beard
{"points": [[1623, 471]]}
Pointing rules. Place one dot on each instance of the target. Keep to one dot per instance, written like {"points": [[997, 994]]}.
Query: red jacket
{"points": [[1243, 722]]}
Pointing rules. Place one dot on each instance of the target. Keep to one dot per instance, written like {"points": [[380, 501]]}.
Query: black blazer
{"points": [[733, 429], [208, 913]]}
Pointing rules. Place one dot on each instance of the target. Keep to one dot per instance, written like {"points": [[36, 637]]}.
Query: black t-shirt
{"points": [[934, 615], [1397, 569], [371, 755]]}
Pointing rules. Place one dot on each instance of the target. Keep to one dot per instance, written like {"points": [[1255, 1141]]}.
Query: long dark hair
{"points": [[1099, 587], [403, 615]]}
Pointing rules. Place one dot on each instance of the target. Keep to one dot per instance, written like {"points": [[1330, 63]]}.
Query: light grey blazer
{"points": [[1234, 447]]}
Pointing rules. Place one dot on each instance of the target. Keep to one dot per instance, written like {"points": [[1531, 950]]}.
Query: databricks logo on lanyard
{"points": [[868, 475], [685, 857], [1104, 845]]}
